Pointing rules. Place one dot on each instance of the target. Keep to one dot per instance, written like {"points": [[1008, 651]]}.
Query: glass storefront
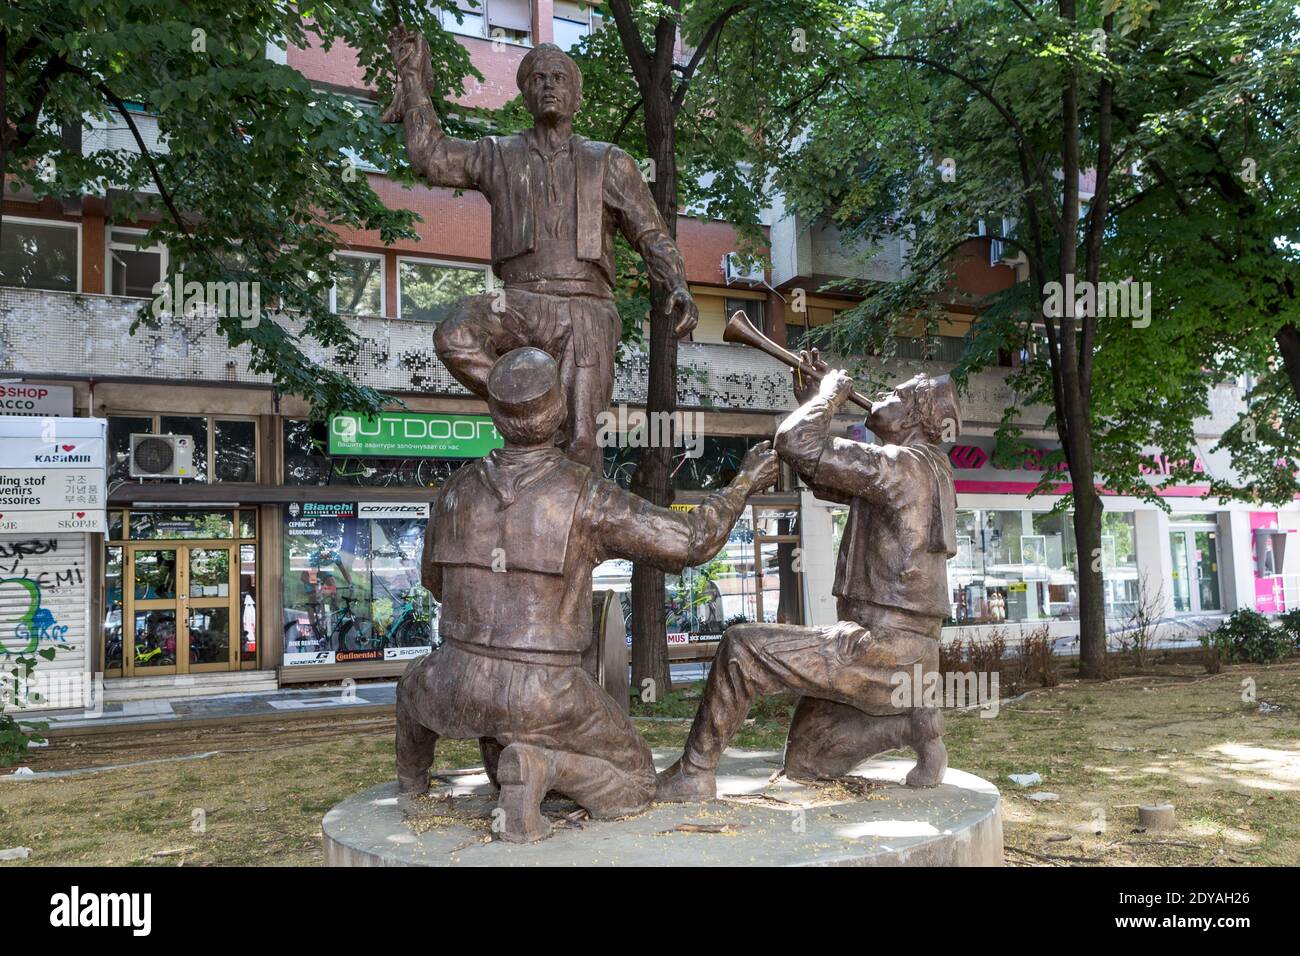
{"points": [[756, 577], [182, 583], [352, 588], [1018, 566]]}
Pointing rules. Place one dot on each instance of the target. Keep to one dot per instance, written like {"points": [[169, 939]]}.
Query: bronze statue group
{"points": [[513, 538]]}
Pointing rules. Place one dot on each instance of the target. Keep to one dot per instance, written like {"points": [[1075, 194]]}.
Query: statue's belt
{"points": [[520, 655]]}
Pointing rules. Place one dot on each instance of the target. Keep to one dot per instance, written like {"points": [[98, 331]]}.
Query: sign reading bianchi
{"points": [[413, 434]]}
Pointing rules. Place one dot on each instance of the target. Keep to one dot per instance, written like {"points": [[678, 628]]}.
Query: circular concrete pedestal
{"points": [[868, 819]]}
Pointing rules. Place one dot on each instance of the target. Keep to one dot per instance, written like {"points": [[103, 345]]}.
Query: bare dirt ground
{"points": [[253, 793]]}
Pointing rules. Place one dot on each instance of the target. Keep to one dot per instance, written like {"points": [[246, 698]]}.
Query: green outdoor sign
{"points": [[413, 435]]}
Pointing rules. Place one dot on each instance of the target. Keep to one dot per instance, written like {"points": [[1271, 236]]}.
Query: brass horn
{"points": [[740, 329]]}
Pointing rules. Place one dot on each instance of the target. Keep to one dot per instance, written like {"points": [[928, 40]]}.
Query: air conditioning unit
{"points": [[737, 268], [162, 456]]}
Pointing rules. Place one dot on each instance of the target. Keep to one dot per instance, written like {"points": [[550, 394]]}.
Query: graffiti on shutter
{"points": [[44, 597]]}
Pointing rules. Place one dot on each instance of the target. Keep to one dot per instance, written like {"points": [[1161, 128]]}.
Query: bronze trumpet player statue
{"points": [[890, 587]]}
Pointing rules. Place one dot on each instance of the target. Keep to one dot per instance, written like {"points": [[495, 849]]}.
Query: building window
{"points": [[573, 21], [359, 288], [133, 270], [940, 348], [507, 20], [40, 254], [428, 291], [225, 449], [798, 325]]}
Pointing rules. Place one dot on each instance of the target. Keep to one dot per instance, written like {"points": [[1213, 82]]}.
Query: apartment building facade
{"points": [[291, 551]]}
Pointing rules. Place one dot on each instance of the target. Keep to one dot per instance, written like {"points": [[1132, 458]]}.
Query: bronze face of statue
{"points": [[509, 551], [558, 201], [890, 587]]}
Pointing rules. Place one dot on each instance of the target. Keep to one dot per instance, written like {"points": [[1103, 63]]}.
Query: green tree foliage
{"points": [[258, 171]]}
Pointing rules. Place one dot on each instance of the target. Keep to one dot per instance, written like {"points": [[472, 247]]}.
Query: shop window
{"points": [[225, 449], [715, 465], [428, 291], [743, 583], [39, 254], [359, 285], [352, 588], [1023, 566], [113, 605], [247, 600], [134, 269], [167, 524], [307, 462]]}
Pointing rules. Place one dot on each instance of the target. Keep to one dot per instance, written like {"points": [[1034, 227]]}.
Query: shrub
{"points": [[1037, 662], [1290, 622], [1248, 637]]}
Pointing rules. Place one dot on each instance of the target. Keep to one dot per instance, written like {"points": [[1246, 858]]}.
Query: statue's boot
{"points": [[925, 733], [525, 773], [683, 782], [829, 739]]}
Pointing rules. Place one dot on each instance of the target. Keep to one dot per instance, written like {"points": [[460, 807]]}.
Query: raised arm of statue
{"points": [[628, 526], [643, 227], [440, 159], [836, 468]]}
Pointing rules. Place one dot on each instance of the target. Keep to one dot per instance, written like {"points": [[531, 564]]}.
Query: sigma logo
{"points": [[75, 909]]}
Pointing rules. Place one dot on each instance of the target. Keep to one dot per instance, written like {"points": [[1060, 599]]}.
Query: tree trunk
{"points": [[652, 478], [1092, 593], [1288, 343]]}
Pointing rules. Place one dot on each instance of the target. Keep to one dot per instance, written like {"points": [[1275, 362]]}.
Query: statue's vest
{"points": [[523, 543], [513, 228]]}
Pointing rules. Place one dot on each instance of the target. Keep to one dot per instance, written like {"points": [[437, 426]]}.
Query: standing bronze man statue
{"points": [[891, 590], [509, 551], [558, 200]]}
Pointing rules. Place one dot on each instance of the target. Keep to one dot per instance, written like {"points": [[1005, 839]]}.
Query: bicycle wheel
{"points": [[305, 470], [414, 633]]}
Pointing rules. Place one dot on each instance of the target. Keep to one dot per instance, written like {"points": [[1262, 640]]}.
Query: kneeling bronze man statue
{"points": [[509, 552], [891, 591]]}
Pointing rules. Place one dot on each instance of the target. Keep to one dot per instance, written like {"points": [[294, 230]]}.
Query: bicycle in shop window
{"points": [[411, 626]]}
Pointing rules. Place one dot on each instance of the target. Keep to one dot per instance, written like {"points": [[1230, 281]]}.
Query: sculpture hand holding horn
{"points": [[740, 329]]}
